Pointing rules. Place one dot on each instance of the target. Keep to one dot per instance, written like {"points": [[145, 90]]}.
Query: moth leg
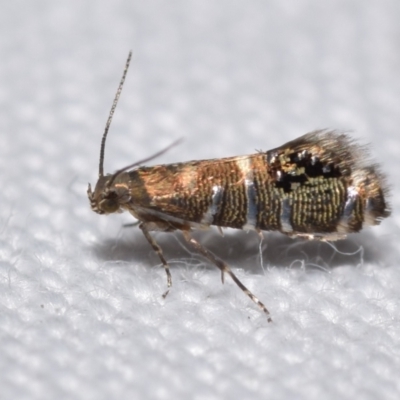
{"points": [[159, 252], [224, 269], [132, 224]]}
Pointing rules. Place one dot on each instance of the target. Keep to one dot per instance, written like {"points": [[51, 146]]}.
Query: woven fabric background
{"points": [[81, 312]]}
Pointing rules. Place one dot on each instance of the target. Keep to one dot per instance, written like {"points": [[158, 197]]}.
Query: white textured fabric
{"points": [[81, 312]]}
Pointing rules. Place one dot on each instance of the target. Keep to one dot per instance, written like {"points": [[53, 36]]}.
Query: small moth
{"points": [[319, 186]]}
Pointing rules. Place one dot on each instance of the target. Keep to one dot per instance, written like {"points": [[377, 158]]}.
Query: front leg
{"points": [[158, 250]]}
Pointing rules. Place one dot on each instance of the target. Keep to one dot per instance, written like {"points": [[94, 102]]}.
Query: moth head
{"points": [[112, 192], [105, 199]]}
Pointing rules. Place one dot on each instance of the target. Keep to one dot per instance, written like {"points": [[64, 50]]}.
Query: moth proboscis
{"points": [[321, 185]]}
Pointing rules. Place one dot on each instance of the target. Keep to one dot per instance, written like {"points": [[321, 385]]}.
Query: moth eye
{"points": [[109, 206]]}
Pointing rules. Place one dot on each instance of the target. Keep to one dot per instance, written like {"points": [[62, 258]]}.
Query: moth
{"points": [[321, 185]]}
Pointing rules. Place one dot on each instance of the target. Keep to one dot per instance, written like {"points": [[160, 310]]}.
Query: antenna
{"points": [[155, 155], [114, 106]]}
